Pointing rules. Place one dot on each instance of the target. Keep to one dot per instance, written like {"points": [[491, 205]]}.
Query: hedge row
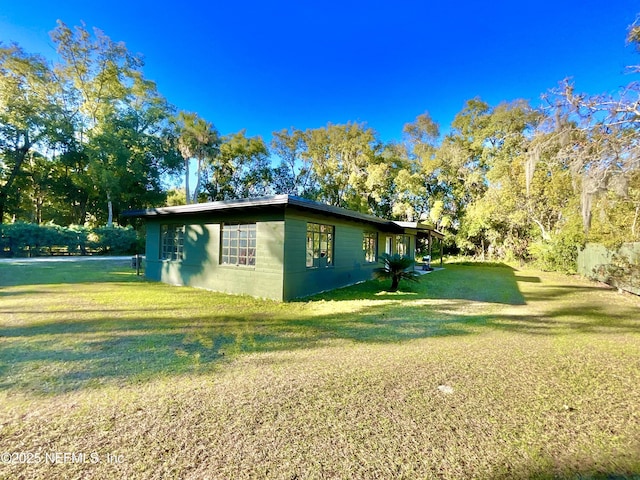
{"points": [[28, 239]]}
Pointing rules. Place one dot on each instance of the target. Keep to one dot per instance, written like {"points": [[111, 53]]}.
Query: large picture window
{"points": [[319, 245], [370, 246], [171, 242], [238, 244]]}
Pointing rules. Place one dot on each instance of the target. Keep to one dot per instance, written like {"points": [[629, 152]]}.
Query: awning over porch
{"points": [[426, 232], [416, 227]]}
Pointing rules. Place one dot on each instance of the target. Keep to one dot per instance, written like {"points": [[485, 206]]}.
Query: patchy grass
{"points": [[539, 377]]}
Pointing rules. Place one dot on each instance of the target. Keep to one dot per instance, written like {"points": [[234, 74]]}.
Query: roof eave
{"points": [[281, 201], [198, 208]]}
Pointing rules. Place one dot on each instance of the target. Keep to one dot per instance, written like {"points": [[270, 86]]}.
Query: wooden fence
{"points": [[619, 268]]}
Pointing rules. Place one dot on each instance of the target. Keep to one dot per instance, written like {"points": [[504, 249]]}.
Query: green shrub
{"points": [[395, 267], [29, 239], [26, 238], [622, 272], [114, 240], [559, 254], [77, 237]]}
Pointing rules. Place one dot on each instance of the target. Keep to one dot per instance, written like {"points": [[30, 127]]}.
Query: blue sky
{"points": [[265, 66]]}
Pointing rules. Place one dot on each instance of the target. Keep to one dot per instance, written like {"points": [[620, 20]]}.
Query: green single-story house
{"points": [[280, 247]]}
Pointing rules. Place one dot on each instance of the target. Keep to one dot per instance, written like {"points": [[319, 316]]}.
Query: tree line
{"points": [[88, 136]]}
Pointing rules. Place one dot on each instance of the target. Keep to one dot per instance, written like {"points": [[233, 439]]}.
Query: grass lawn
{"points": [[475, 372]]}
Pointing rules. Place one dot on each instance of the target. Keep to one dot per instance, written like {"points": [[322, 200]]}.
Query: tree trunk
{"points": [[79, 210], [586, 210], [395, 281], [38, 206], [545, 234], [20, 155], [196, 189], [110, 208], [186, 181], [3, 200]]}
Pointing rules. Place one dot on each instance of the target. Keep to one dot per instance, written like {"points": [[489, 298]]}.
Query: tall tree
{"points": [[380, 186], [30, 118], [294, 174], [418, 188], [598, 137], [120, 120], [199, 140], [486, 154], [241, 169], [339, 156]]}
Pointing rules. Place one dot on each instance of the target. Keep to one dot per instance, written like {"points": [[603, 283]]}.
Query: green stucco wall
{"points": [[201, 267], [280, 272], [349, 259]]}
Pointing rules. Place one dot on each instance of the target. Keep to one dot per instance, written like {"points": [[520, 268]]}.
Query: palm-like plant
{"points": [[396, 268]]}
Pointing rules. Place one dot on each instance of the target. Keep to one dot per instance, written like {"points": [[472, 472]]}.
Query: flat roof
{"points": [[274, 201]]}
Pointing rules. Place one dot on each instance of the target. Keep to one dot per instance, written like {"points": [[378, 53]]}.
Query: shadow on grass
{"points": [[65, 354], [554, 292], [490, 284], [148, 330], [80, 271], [22, 292]]}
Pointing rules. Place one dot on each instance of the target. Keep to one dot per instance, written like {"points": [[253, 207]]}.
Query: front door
{"points": [[388, 246]]}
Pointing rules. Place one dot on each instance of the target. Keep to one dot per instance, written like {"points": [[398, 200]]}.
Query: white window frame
{"points": [[238, 244]]}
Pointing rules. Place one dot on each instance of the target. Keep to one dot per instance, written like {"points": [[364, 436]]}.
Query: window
{"points": [[238, 244], [319, 245], [403, 243], [171, 242], [388, 245], [370, 246]]}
